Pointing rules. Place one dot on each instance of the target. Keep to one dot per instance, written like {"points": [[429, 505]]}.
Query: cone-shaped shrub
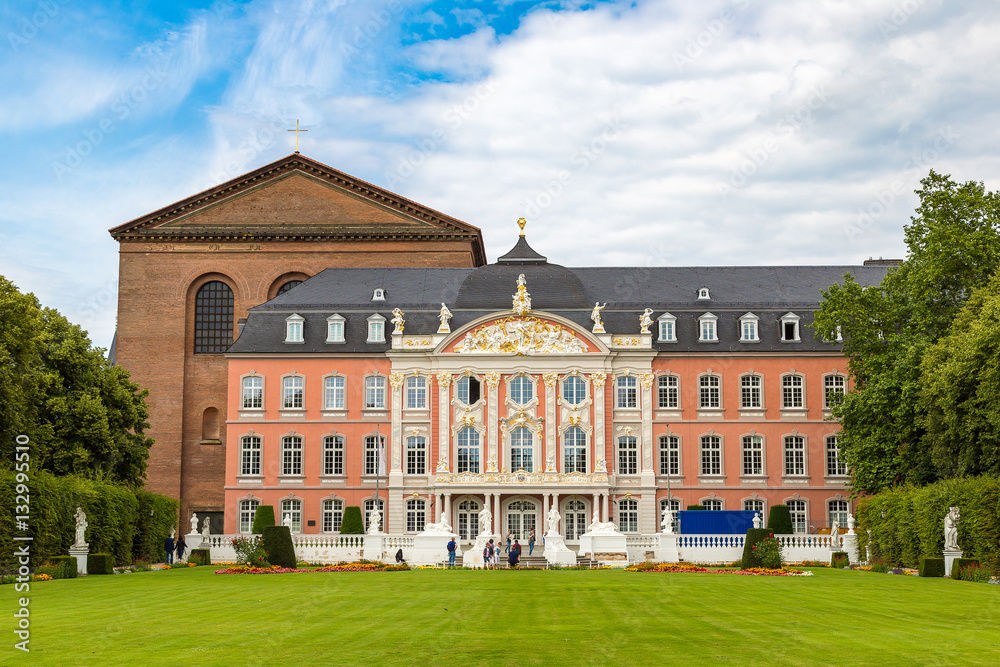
{"points": [[352, 523], [277, 544], [750, 558], [263, 518], [779, 520]]}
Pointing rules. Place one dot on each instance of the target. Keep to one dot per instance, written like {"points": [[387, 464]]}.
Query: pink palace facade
{"points": [[425, 390]]}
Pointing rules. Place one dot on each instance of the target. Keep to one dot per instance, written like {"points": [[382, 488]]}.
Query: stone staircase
{"points": [[537, 560]]}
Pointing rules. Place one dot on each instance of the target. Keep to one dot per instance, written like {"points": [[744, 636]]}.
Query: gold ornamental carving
{"points": [[444, 380], [522, 336], [647, 380], [492, 380], [550, 379], [599, 379], [396, 380], [625, 342], [417, 342], [522, 300]]}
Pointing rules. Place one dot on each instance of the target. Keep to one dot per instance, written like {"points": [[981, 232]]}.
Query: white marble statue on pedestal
{"points": [[758, 521], [951, 520], [444, 316], [835, 534], [81, 528], [206, 528], [442, 527], [194, 523], [397, 319], [374, 522], [851, 524], [646, 321], [595, 315], [485, 521], [553, 518], [286, 520], [667, 521]]}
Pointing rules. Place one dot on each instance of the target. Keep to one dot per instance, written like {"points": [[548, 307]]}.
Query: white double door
{"points": [[522, 518]]}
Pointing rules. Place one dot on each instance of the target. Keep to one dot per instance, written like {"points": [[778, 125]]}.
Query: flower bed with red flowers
{"points": [[687, 567], [340, 567]]}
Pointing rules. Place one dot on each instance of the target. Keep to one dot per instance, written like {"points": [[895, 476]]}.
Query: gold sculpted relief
{"points": [[521, 336]]}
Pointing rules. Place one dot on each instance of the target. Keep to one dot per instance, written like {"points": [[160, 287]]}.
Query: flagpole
{"points": [[378, 466]]}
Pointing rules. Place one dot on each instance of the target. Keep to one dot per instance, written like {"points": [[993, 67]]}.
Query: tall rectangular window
{"points": [[667, 392], [795, 455], [709, 391], [711, 455], [371, 504], [791, 391], [754, 505], [375, 392], [574, 450], [333, 515], [628, 516], [753, 455], [292, 507], [837, 510], [333, 392], [834, 387], [333, 455], [253, 393], [800, 518], [416, 455], [291, 393], [376, 331], [749, 330], [468, 450], [521, 450], [750, 392], [291, 455], [712, 504], [708, 330], [670, 455], [627, 392], [416, 515], [667, 330], [574, 390], [334, 329], [416, 393], [628, 455], [835, 467], [293, 330], [250, 455], [374, 455], [248, 510]]}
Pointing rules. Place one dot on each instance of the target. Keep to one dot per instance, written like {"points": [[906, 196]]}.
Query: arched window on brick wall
{"points": [[287, 286], [213, 318]]}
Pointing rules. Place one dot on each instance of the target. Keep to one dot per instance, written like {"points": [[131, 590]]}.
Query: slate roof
{"points": [[768, 291]]}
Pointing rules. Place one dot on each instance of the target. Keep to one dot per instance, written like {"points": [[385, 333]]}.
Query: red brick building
{"points": [[190, 271]]}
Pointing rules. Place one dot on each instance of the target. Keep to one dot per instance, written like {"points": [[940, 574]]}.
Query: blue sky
{"points": [[627, 133]]}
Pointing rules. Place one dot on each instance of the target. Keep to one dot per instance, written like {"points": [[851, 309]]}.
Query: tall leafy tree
{"points": [[83, 415], [953, 243]]}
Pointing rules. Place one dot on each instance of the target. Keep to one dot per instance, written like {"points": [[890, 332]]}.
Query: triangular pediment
{"points": [[296, 197]]}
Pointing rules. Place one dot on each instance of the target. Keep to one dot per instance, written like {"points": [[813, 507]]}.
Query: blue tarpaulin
{"points": [[705, 522]]}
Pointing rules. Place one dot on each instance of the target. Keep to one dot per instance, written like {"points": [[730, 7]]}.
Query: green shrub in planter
{"points": [[67, 565], [960, 563], [696, 507], [750, 557], [352, 523], [200, 557], [932, 567], [779, 520], [100, 564], [839, 559], [976, 573], [263, 518], [277, 544]]}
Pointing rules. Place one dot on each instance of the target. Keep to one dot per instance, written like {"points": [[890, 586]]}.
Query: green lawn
{"points": [[432, 617]]}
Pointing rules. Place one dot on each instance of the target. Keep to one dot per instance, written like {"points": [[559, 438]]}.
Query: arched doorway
{"points": [[574, 519], [522, 517], [468, 519]]}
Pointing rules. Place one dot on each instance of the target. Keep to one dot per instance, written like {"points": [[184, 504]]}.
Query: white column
{"points": [[595, 507], [646, 382], [551, 382], [545, 513], [606, 509], [599, 380], [445, 511], [497, 525], [393, 518], [492, 439], [444, 418]]}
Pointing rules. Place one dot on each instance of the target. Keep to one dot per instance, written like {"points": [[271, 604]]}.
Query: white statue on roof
{"points": [[444, 316], [397, 319], [522, 300], [595, 315], [645, 321]]}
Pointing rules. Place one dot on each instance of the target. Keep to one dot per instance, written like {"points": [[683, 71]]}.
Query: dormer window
{"points": [[707, 327], [379, 294], [376, 329], [335, 329], [703, 294], [667, 324], [293, 329], [748, 328], [790, 327]]}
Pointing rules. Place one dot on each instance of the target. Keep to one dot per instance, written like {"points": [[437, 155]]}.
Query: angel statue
{"points": [[595, 315], [645, 321], [397, 319], [444, 316]]}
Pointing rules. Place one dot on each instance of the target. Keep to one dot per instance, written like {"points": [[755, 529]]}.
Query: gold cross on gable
{"points": [[296, 131]]}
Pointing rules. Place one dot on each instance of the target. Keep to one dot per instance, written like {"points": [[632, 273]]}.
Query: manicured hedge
{"points": [[754, 535], [959, 563], [913, 525], [932, 567], [101, 564], [352, 523], [200, 557], [696, 507], [67, 565], [118, 518], [839, 559], [262, 518], [276, 541], [779, 520]]}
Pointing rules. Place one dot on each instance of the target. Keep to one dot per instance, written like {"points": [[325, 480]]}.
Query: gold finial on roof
{"points": [[521, 222], [296, 131]]}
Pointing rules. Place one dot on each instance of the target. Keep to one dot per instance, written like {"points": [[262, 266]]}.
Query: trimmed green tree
{"points": [[352, 523], [696, 507], [750, 557], [277, 544], [779, 520], [100, 564], [262, 518], [932, 567]]}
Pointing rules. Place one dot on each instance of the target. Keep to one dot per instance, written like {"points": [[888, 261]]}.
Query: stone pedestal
{"points": [[604, 547], [373, 549], [80, 553], [849, 543], [556, 551], [431, 549], [949, 559], [191, 541], [474, 556], [667, 551]]}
